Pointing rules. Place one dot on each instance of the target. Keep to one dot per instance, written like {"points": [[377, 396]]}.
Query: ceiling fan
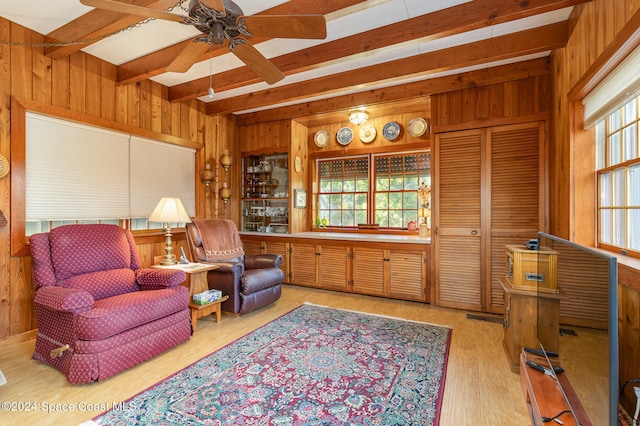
{"points": [[223, 21]]}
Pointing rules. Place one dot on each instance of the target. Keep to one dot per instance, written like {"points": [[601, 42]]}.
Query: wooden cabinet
{"points": [[395, 273], [265, 193], [400, 271], [529, 316]]}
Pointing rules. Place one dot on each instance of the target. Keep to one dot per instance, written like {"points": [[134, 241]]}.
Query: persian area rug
{"points": [[312, 366]]}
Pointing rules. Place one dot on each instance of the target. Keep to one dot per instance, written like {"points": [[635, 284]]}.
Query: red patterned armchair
{"points": [[98, 311]]}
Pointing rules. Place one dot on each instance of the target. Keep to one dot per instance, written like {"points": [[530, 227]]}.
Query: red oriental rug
{"points": [[312, 366]]}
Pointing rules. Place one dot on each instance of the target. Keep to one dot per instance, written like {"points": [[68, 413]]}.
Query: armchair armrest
{"points": [[156, 279], [61, 299], [227, 267], [262, 261]]}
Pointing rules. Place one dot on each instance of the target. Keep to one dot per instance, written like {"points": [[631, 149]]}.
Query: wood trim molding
{"points": [[625, 42]]}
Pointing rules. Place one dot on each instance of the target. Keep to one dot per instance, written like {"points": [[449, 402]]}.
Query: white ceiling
{"points": [[43, 17]]}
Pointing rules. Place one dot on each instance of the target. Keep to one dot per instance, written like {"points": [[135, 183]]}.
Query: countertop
{"points": [[380, 238]]}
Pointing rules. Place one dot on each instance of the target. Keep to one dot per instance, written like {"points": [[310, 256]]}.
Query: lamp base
{"points": [[423, 230], [169, 258]]}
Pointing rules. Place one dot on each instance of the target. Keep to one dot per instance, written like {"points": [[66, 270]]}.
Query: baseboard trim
{"points": [[19, 338]]}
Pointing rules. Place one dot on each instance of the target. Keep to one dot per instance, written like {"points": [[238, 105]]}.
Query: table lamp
{"points": [[169, 210]]}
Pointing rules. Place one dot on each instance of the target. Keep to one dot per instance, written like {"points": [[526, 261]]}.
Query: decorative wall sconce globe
{"points": [[225, 161], [225, 193], [207, 175]]}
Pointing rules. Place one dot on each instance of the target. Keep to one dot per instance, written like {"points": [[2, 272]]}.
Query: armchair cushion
{"points": [[120, 313], [64, 299], [255, 280], [103, 284], [74, 254]]}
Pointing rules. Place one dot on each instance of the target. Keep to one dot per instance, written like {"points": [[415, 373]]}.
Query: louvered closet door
{"points": [[516, 212], [457, 215]]}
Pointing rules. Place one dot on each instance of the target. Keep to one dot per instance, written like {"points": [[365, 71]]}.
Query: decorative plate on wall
{"points": [[417, 127], [391, 131], [321, 139], [344, 136], [367, 133]]}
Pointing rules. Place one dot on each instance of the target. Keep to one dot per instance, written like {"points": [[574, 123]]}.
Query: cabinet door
{"points": [[303, 264], [279, 247], [252, 246], [369, 271], [458, 220], [334, 269], [407, 273]]}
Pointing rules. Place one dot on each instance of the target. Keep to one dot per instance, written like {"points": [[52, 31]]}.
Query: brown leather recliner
{"points": [[250, 281]]}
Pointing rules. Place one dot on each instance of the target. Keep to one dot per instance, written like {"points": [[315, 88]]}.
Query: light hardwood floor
{"points": [[480, 389]]}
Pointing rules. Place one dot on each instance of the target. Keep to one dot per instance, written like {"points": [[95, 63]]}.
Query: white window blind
{"points": [[80, 172], [621, 85], [160, 170], [74, 171]]}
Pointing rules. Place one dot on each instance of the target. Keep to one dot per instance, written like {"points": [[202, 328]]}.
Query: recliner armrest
{"points": [[156, 279], [62, 299], [227, 267], [262, 261]]}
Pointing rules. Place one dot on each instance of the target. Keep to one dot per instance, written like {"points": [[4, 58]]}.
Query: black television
{"points": [[587, 280]]}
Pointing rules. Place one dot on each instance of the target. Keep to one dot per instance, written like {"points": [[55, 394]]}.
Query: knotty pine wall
{"points": [[572, 179], [82, 83]]}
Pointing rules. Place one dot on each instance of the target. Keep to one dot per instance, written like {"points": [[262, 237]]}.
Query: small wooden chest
{"points": [[534, 270]]}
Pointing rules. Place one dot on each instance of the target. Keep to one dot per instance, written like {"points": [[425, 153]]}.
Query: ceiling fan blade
{"points": [[285, 26], [188, 56], [217, 5], [255, 60], [146, 12]]}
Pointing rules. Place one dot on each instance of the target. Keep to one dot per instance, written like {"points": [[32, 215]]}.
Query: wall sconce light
{"points": [[358, 117], [225, 194], [207, 175], [225, 161]]}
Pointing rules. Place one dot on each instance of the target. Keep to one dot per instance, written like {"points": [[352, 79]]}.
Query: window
{"points": [[77, 173], [618, 170], [374, 188]]}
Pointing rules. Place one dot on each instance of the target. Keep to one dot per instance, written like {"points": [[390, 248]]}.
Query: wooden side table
{"points": [[197, 283]]}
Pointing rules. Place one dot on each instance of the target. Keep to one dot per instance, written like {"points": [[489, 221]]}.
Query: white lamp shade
{"points": [[169, 210]]}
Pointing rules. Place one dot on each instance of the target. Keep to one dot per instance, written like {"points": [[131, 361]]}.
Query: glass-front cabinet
{"points": [[265, 193]]}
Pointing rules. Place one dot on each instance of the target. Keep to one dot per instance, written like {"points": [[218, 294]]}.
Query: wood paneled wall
{"points": [[497, 104], [80, 83], [572, 177]]}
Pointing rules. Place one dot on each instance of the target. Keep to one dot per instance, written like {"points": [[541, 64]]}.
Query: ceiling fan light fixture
{"points": [[217, 34], [358, 117]]}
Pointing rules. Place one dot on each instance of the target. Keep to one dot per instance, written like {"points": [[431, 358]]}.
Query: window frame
{"points": [[19, 108], [371, 191], [604, 167]]}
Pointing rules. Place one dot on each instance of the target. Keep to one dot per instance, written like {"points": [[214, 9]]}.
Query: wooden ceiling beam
{"points": [[155, 63], [95, 24], [485, 51], [308, 112], [442, 23]]}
